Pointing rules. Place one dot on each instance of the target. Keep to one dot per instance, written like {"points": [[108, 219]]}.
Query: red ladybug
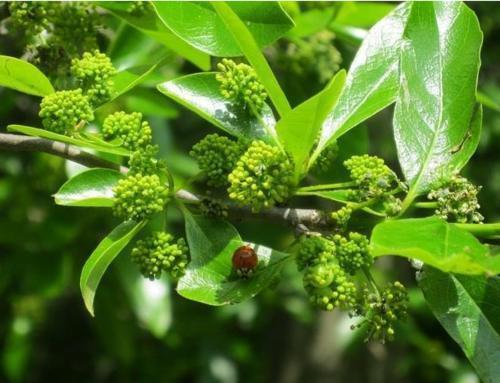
{"points": [[245, 261]]}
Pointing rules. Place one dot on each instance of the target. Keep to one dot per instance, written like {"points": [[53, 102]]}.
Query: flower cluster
{"points": [[457, 200], [138, 196], [262, 177], [129, 128], [214, 208], [239, 83], [382, 311], [93, 73], [29, 17], [62, 111], [145, 161], [160, 252], [326, 158], [314, 250], [217, 156], [315, 56], [352, 252], [341, 216]]}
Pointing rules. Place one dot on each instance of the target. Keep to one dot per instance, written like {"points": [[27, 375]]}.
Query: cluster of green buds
{"points": [[134, 133], [161, 253], [325, 160], [239, 83], [381, 311], [352, 252], [139, 196], [341, 216], [326, 283], [214, 208], [262, 177], [62, 112], [93, 72], [145, 161], [457, 200], [315, 56], [29, 17], [217, 156]]}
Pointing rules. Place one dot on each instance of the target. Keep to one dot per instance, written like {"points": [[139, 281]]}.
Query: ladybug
{"points": [[245, 261]]}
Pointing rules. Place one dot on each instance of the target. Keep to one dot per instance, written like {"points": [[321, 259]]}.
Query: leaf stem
{"points": [[482, 230], [371, 280], [339, 185], [426, 205]]}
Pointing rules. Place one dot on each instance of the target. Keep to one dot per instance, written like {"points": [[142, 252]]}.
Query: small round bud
{"points": [[138, 196], [239, 83], [93, 72], [159, 252], [217, 156], [342, 216], [134, 133], [62, 111], [262, 177]]}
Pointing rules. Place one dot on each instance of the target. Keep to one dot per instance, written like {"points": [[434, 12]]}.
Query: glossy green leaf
{"points": [[362, 14], [150, 24], [91, 188], [210, 277], [310, 22], [198, 23], [467, 307], [200, 93], [238, 28], [22, 76], [98, 262], [150, 103], [305, 122], [372, 82], [436, 243], [435, 124], [42, 133]]}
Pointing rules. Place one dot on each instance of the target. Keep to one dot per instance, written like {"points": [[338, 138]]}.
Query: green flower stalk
{"points": [[138, 197], [457, 200], [217, 156], [161, 253], [62, 111], [263, 176], [93, 72], [134, 133], [239, 83]]}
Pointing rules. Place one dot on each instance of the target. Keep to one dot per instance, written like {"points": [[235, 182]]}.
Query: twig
{"points": [[293, 216]]}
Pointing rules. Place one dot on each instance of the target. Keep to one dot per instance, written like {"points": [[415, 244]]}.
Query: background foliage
{"points": [[144, 331]]}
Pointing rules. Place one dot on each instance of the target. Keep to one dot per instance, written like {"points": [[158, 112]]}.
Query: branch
{"points": [[13, 142]]}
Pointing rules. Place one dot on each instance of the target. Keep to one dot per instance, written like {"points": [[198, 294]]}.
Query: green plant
{"points": [[269, 166]]}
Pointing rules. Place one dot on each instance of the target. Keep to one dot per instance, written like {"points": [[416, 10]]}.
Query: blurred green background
{"points": [[143, 331]]}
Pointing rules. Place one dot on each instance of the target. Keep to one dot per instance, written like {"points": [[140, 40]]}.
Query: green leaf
{"points": [[198, 24], [372, 82], [305, 121], [210, 277], [436, 243], [362, 14], [200, 93], [91, 188], [467, 307], [101, 258], [435, 124], [22, 76], [310, 22], [36, 132], [238, 29], [151, 25], [151, 103]]}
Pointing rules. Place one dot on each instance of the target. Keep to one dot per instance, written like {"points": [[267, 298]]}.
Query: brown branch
{"points": [[14, 142]]}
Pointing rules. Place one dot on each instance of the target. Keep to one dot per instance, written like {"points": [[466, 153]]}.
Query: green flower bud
{"points": [[353, 252], [329, 287], [262, 177], [373, 178], [239, 83], [134, 133], [342, 216], [138, 197], [145, 161], [217, 156], [457, 200], [314, 250], [62, 111], [93, 73], [159, 252], [29, 17]]}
